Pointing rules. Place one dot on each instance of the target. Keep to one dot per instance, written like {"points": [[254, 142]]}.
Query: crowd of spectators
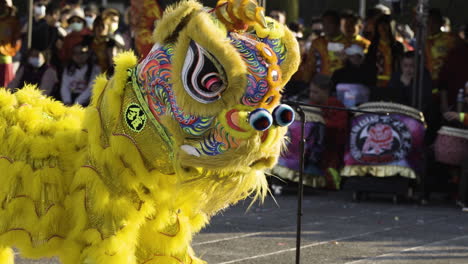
{"points": [[71, 44], [378, 53]]}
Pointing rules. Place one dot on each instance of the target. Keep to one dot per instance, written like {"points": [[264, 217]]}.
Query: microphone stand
{"points": [[300, 192]]}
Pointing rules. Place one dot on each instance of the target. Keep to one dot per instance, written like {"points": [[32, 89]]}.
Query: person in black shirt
{"points": [[400, 87], [355, 70], [400, 90]]}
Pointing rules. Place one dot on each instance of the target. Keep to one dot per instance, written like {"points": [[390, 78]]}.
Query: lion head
{"points": [[203, 108], [216, 91]]}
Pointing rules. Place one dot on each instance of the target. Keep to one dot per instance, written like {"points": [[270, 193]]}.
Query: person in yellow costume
{"points": [[351, 25], [385, 52], [163, 146], [325, 53], [438, 44]]}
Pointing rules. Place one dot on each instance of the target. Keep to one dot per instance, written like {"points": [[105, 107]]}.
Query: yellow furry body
{"points": [[58, 197], [79, 184]]}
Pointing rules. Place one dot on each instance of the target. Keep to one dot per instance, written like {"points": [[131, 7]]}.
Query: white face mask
{"points": [[113, 27], [39, 11], [76, 27], [36, 62], [89, 21]]}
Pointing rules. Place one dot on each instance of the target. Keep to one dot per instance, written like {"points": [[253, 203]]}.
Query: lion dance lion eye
{"points": [[283, 115], [203, 76], [212, 82], [260, 119]]}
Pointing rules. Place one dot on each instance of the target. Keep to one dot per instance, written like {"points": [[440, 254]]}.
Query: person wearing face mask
{"points": [[111, 19], [39, 10], [91, 11], [78, 30], [35, 70], [10, 43], [76, 22], [107, 42]]}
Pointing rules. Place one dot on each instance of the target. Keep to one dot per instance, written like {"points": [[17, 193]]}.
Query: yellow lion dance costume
{"points": [[164, 145]]}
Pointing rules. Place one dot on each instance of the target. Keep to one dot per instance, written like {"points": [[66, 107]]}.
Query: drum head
{"points": [[454, 132], [392, 108]]}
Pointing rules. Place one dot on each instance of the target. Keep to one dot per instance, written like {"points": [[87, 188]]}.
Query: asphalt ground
{"points": [[335, 231]]}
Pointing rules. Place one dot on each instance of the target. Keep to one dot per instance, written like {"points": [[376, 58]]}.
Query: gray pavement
{"points": [[335, 231]]}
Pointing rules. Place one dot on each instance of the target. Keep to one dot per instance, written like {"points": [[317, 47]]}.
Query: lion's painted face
{"points": [[219, 100]]}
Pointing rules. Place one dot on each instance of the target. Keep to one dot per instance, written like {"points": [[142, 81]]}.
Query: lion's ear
{"points": [[282, 41], [174, 20]]}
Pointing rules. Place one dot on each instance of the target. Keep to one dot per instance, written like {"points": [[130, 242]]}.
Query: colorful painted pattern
{"points": [[379, 144], [278, 47], [257, 86], [218, 142], [155, 75]]}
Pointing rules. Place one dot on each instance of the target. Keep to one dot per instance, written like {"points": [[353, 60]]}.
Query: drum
{"points": [[288, 164], [387, 143], [451, 146]]}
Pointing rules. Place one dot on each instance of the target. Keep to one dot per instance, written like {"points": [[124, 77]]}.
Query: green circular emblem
{"points": [[135, 117]]}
